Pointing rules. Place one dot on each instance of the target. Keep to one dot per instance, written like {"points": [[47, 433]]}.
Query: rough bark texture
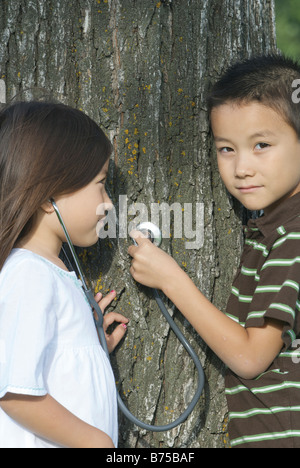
{"points": [[141, 68]]}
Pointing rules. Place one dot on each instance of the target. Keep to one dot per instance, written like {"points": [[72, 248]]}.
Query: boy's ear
{"points": [[47, 207]]}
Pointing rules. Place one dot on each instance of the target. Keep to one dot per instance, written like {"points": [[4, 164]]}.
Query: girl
{"points": [[56, 384]]}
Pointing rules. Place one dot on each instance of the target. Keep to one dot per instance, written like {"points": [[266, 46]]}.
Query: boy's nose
{"points": [[243, 166]]}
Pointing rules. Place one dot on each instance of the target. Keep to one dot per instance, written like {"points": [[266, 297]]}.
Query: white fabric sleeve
{"points": [[27, 326]]}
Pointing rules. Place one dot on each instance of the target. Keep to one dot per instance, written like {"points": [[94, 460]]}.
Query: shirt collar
{"points": [[285, 211]]}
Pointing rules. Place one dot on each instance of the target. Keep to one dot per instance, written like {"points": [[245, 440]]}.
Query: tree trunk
{"points": [[142, 68]]}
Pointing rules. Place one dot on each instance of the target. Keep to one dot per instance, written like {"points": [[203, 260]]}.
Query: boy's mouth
{"points": [[249, 188]]}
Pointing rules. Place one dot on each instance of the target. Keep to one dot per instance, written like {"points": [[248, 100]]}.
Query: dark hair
{"points": [[266, 79], [46, 150]]}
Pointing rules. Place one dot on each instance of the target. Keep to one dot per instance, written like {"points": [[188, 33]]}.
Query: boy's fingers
{"points": [[137, 235], [132, 249]]}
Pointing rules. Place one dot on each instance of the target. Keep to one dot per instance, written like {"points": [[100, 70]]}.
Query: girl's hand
{"points": [[115, 337], [151, 266]]}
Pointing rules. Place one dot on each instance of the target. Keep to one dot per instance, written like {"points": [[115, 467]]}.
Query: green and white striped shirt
{"points": [[265, 412]]}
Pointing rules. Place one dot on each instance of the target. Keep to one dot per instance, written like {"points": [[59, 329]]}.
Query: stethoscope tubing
{"points": [[98, 318]]}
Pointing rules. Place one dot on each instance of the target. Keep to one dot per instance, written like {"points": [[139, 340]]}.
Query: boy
{"points": [[256, 127]]}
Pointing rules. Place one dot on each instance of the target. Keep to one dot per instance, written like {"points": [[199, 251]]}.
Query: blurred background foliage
{"points": [[288, 27]]}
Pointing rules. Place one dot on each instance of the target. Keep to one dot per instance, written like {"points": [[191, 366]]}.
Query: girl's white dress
{"points": [[49, 345]]}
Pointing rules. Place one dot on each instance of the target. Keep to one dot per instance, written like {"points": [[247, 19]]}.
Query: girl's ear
{"points": [[47, 207]]}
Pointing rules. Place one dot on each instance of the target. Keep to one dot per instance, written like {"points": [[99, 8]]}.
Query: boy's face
{"points": [[258, 154]]}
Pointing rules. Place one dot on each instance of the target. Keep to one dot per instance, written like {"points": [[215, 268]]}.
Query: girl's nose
{"points": [[107, 198]]}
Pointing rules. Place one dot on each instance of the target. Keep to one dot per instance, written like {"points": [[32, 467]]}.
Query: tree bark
{"points": [[141, 69]]}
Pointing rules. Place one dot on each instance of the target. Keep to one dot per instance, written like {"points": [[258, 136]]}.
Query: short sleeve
{"points": [[27, 326], [277, 293]]}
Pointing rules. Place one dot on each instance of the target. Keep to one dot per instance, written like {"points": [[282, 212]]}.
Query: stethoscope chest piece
{"points": [[151, 231]]}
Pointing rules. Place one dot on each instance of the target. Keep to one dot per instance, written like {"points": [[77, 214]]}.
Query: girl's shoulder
{"points": [[22, 259], [23, 262], [33, 275], [24, 271]]}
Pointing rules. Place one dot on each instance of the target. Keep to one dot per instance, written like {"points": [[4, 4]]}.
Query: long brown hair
{"points": [[46, 150]]}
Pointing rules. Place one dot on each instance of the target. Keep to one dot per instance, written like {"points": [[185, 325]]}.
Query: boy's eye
{"points": [[225, 149], [261, 146]]}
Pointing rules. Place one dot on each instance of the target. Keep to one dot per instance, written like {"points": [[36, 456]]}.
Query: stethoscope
{"points": [[154, 234]]}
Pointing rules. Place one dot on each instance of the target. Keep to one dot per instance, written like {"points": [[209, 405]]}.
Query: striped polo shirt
{"points": [[265, 412]]}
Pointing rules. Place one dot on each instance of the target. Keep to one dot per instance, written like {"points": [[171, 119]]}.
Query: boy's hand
{"points": [[151, 266], [115, 337]]}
